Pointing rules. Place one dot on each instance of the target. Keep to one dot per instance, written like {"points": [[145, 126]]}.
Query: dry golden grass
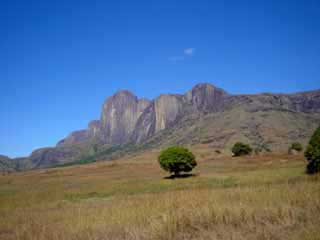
{"points": [[266, 197]]}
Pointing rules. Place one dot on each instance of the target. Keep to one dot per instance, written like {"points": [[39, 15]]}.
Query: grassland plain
{"points": [[260, 197]]}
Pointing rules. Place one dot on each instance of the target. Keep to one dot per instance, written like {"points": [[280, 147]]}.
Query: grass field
{"points": [[263, 197]]}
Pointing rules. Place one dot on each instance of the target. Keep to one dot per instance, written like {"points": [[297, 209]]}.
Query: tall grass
{"points": [[231, 199]]}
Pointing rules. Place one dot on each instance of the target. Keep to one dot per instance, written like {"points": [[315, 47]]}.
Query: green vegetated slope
{"points": [[267, 131], [263, 197]]}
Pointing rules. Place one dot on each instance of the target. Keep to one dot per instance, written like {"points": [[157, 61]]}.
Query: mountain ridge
{"points": [[128, 120]]}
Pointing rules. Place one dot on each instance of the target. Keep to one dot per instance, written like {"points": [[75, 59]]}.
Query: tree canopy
{"points": [[241, 149], [312, 153], [176, 160]]}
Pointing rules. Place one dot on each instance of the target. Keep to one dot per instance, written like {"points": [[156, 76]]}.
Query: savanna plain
{"points": [[254, 197]]}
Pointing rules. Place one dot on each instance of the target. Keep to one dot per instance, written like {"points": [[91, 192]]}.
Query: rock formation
{"points": [[119, 117], [205, 114]]}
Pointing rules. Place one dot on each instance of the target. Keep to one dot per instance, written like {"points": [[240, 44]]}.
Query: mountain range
{"points": [[205, 115]]}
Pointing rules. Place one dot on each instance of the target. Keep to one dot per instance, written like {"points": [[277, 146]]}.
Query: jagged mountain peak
{"points": [[3, 156], [206, 97], [205, 113], [74, 138], [119, 116], [124, 92], [121, 97], [124, 98], [206, 87]]}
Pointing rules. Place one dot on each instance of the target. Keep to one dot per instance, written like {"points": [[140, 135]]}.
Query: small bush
{"points": [[176, 160], [217, 151], [241, 149], [312, 153], [296, 146]]}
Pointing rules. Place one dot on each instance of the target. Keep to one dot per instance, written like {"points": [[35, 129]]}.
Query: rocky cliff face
{"points": [[6, 164], [74, 138], [125, 118], [307, 102], [204, 114], [206, 98], [166, 110], [162, 113], [94, 128], [119, 117]]}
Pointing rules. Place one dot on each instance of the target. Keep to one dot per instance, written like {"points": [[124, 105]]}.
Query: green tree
{"points": [[241, 149], [296, 146], [176, 160], [312, 153]]}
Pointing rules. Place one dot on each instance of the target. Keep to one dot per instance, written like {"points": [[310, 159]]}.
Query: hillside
{"points": [[6, 164], [204, 115]]}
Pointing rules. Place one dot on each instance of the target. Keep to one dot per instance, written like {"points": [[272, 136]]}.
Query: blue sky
{"points": [[61, 59]]}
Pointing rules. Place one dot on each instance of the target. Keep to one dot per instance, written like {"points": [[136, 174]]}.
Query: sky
{"points": [[60, 60]]}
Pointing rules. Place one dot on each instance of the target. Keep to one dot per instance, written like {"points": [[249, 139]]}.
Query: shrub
{"points": [[217, 151], [176, 160], [312, 153], [241, 149], [296, 146]]}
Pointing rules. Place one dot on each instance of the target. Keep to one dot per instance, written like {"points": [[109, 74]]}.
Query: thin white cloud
{"points": [[187, 53]]}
